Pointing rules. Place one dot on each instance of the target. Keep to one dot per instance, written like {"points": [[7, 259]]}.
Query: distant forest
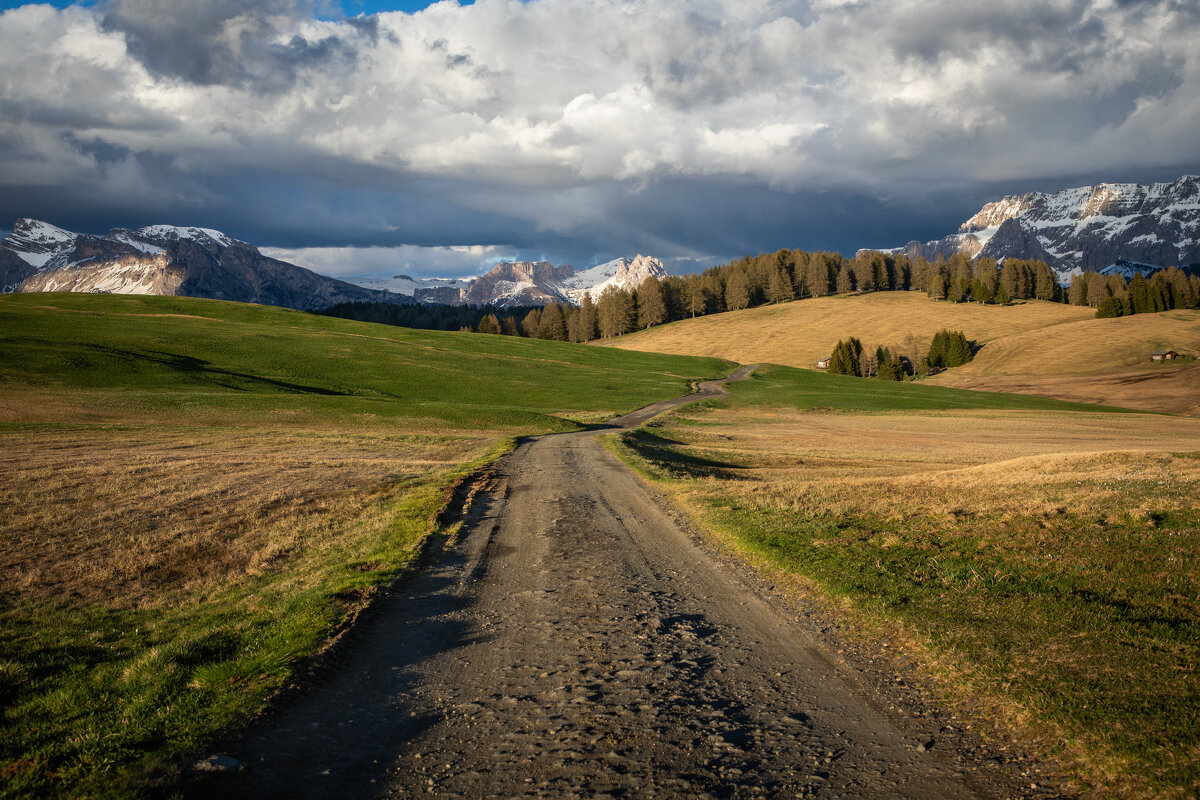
{"points": [[792, 274]]}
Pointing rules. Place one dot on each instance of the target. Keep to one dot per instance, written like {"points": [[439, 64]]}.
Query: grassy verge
{"points": [[196, 495], [1041, 560]]}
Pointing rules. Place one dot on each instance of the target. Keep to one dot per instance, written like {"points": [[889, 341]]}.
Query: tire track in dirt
{"points": [[576, 642]]}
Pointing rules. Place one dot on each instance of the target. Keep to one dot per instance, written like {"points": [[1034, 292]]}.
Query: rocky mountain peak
{"points": [[994, 213], [1086, 227], [163, 260], [34, 237]]}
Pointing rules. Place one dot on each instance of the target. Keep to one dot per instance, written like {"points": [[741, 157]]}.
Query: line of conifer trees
{"points": [[947, 349], [789, 274]]}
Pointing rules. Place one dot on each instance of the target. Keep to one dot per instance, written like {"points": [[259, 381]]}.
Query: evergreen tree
{"points": [[985, 280], [846, 358], [902, 272], [1109, 307], [948, 349], [1139, 294], [1002, 296], [1010, 279], [889, 367]]}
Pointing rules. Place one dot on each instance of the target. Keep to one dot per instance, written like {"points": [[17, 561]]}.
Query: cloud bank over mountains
{"points": [[580, 129]]}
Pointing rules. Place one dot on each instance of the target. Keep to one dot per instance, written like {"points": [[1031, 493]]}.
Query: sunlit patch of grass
{"points": [[1045, 564]]}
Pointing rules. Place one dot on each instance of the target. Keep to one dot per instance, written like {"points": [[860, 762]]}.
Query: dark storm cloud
{"points": [[234, 42], [687, 130]]}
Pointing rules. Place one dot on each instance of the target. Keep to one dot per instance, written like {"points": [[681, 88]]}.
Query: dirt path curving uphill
{"points": [[576, 642]]}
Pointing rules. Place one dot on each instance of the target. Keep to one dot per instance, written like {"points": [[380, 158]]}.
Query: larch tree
{"points": [[615, 311], [651, 308], [737, 291]]}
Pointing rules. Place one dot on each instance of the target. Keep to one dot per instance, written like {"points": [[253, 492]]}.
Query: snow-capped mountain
{"points": [[623, 273], [202, 262], [527, 283], [164, 260], [1089, 227]]}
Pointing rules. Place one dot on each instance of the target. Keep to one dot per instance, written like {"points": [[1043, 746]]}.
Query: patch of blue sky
{"points": [[326, 9]]}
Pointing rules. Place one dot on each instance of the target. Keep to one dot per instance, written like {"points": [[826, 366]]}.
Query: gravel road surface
{"points": [[575, 641]]}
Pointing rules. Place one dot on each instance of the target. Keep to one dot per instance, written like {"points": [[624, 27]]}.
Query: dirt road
{"points": [[576, 642]]}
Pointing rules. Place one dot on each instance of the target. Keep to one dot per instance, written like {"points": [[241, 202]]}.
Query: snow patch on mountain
{"points": [[37, 242], [164, 260], [160, 233], [621, 273], [1082, 228], [130, 239]]}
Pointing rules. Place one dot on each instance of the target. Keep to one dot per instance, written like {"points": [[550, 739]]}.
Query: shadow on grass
{"points": [[664, 453], [206, 371]]}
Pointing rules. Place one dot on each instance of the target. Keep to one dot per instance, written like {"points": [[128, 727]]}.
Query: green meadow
{"points": [[198, 495]]}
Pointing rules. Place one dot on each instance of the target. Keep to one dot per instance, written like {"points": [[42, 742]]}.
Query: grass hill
{"points": [[196, 495], [74, 357], [1094, 360], [1034, 347]]}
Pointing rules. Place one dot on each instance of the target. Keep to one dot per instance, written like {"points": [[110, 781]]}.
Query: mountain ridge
{"points": [[526, 283], [164, 260], [202, 262], [1082, 228]]}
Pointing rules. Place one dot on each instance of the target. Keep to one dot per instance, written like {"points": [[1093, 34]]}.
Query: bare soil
{"points": [[577, 641]]}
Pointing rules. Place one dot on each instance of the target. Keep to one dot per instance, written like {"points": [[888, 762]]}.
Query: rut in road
{"points": [[576, 642]]}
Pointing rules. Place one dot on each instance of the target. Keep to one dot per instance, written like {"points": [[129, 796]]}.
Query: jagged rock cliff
{"points": [[1089, 227]]}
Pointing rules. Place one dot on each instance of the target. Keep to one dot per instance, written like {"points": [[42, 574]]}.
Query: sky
{"points": [[368, 138]]}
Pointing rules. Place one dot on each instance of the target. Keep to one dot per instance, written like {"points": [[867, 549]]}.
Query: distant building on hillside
{"points": [[823, 363], [1162, 355]]}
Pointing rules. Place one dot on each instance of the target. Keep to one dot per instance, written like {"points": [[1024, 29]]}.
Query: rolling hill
{"points": [[1041, 348]]}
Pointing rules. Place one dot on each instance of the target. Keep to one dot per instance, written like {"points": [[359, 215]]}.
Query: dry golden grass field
{"points": [[135, 517], [1049, 349], [1041, 564]]}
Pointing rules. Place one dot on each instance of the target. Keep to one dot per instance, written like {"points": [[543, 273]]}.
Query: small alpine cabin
{"points": [[1164, 355]]}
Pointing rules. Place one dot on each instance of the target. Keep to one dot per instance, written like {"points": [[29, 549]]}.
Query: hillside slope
{"points": [[1093, 360], [1048, 349]]}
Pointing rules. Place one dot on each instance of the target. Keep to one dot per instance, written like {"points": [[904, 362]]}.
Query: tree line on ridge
{"points": [[792, 274]]}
